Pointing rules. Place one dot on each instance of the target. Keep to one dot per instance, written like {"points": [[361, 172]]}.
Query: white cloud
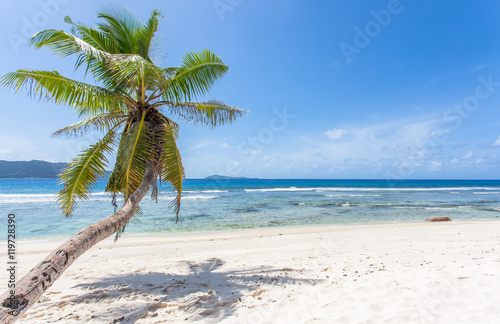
{"points": [[435, 165], [224, 145], [421, 146], [418, 133], [267, 162], [199, 145], [413, 145], [497, 143], [468, 155], [336, 133]]}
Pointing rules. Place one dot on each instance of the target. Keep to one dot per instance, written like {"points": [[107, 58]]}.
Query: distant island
{"points": [[30, 169], [220, 177], [43, 169]]}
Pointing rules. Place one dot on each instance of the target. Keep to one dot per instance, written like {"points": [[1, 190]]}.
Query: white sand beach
{"points": [[385, 273]]}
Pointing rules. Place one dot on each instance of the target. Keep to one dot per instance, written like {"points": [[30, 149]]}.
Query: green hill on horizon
{"points": [[30, 169]]}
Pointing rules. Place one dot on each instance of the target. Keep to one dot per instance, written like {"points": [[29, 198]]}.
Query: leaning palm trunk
{"points": [[32, 286]]}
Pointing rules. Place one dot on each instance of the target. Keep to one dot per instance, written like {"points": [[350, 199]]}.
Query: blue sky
{"points": [[337, 89]]}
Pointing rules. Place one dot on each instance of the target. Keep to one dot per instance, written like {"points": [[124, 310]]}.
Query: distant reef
{"points": [[30, 169], [220, 177]]}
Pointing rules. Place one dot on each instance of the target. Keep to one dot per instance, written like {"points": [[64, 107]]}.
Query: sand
{"points": [[385, 273]]}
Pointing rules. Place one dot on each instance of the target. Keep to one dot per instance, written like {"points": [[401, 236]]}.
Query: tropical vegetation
{"points": [[131, 103]]}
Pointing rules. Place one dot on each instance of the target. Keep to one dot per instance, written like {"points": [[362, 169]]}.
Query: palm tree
{"points": [[128, 106]]}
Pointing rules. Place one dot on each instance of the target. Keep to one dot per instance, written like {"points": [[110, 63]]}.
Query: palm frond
{"points": [[145, 35], [64, 44], [102, 122], [94, 37], [195, 76], [83, 172], [121, 24], [114, 186], [173, 171], [212, 113], [92, 48], [87, 98], [133, 71], [169, 122], [133, 154], [170, 72]]}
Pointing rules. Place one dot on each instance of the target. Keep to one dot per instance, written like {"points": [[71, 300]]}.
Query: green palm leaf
{"points": [[120, 25], [134, 72], [82, 173], [195, 76], [212, 113], [64, 44], [146, 34], [173, 171], [102, 122], [94, 37], [133, 154], [87, 98]]}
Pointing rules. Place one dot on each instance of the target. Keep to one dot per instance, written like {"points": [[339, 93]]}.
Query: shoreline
{"points": [[63, 238], [415, 272]]}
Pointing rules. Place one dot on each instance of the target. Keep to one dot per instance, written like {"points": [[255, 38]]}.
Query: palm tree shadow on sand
{"points": [[205, 293]]}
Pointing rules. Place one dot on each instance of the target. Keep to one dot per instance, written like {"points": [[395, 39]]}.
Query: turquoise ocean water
{"points": [[235, 204]]}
